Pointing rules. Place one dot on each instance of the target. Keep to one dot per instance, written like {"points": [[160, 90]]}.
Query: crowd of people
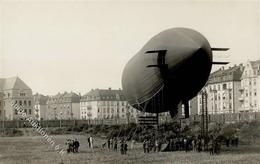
{"points": [[194, 144], [184, 143], [112, 144], [151, 145], [72, 145]]}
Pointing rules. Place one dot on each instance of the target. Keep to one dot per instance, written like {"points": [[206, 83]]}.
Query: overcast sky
{"points": [[57, 46]]}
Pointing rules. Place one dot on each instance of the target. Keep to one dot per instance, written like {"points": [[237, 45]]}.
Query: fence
{"points": [[220, 118]]}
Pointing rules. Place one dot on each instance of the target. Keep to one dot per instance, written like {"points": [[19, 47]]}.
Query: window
{"points": [[224, 86], [20, 103], [123, 110], [29, 102], [25, 111], [25, 102], [255, 92], [30, 111], [22, 94]]}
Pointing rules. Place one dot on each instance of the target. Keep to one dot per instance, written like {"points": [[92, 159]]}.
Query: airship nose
{"points": [[194, 71]]}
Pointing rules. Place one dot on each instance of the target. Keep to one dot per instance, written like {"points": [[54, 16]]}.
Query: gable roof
{"points": [[13, 83]]}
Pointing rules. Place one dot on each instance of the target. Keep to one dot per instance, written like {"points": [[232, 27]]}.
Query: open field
{"points": [[26, 150]]}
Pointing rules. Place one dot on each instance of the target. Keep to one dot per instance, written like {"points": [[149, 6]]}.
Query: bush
{"points": [[12, 132]]}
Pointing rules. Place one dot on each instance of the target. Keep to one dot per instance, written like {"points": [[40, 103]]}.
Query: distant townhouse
{"points": [[63, 106], [222, 91], [15, 90], [40, 106], [105, 103], [250, 87]]}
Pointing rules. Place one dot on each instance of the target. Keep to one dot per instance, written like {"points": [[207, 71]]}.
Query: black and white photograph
{"points": [[129, 81]]}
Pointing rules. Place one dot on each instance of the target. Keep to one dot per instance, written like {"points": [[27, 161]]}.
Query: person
{"points": [[193, 144], [216, 147], [115, 143], [91, 142], [103, 145], [122, 147], [145, 146], [76, 146], [108, 143], [132, 145], [211, 142], [125, 146], [202, 144], [68, 145], [111, 143], [199, 145], [227, 142], [156, 145]]}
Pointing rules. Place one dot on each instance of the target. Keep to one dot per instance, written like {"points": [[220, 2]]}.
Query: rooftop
{"points": [[223, 75], [12, 83], [104, 95]]}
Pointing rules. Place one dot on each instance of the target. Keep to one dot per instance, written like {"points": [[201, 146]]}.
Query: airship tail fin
{"points": [[219, 49], [220, 63]]}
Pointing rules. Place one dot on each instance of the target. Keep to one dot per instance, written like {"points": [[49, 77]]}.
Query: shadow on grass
{"points": [[241, 149]]}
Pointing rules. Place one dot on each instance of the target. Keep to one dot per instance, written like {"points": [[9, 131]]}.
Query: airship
{"points": [[168, 71]]}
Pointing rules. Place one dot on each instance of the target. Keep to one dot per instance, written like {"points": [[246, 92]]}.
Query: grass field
{"points": [[26, 150]]}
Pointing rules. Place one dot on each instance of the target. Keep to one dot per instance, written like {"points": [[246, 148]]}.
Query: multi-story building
{"points": [[250, 87], [40, 106], [63, 106], [105, 103], [222, 91], [15, 90]]}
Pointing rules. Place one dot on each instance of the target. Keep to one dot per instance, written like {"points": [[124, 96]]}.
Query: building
{"points": [[222, 91], [63, 106], [105, 103], [15, 90], [40, 106], [250, 87]]}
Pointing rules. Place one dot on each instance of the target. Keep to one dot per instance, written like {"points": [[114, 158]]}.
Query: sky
{"points": [[65, 45]]}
